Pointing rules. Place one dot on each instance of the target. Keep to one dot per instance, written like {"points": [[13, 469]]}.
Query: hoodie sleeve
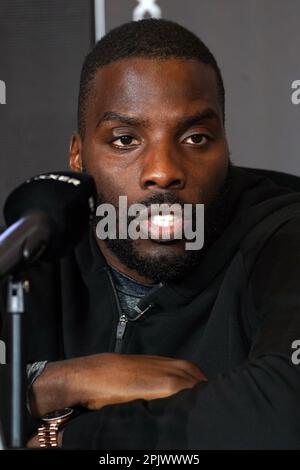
{"points": [[256, 406]]}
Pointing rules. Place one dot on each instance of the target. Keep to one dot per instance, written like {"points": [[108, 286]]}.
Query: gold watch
{"points": [[53, 422]]}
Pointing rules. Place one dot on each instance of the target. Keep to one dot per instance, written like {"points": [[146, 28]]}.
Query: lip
{"points": [[162, 228], [165, 231], [144, 215]]}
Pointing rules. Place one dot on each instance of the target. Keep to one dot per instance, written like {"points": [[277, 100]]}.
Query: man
{"points": [[197, 343]]}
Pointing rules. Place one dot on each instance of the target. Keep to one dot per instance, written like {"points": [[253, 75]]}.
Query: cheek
{"points": [[109, 183], [111, 178], [103, 174], [208, 178], [216, 177]]}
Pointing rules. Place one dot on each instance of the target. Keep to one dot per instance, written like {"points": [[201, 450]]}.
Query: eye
{"points": [[125, 141], [197, 139]]}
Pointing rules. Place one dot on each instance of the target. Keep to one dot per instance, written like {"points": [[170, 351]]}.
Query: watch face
{"points": [[57, 414]]}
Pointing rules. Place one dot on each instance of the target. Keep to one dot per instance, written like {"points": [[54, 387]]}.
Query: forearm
{"points": [[254, 407]]}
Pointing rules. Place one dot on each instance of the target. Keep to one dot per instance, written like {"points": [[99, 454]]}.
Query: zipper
{"points": [[122, 324], [123, 319]]}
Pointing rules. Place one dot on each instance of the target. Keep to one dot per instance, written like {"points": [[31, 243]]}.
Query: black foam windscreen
{"points": [[68, 200]]}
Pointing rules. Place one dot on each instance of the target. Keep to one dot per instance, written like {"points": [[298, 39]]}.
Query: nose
{"points": [[162, 169]]}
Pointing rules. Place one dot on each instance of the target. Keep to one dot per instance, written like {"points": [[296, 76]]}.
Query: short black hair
{"points": [[153, 38]]}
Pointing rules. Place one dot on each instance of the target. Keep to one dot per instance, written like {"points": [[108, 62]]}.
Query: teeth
{"points": [[163, 220]]}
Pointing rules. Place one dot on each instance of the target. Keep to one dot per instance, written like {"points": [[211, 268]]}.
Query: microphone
{"points": [[46, 216]]}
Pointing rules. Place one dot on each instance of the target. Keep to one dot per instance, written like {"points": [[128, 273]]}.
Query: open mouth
{"points": [[160, 227], [165, 227]]}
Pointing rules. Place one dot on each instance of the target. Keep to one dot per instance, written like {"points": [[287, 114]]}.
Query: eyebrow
{"points": [[128, 120], [208, 114], [184, 123]]}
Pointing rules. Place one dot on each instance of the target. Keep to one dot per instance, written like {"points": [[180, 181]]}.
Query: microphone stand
{"points": [[17, 362], [20, 244]]}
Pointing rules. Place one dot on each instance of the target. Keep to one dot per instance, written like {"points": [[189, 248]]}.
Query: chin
{"points": [[159, 248], [155, 260]]}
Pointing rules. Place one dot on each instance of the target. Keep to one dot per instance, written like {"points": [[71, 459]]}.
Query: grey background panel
{"points": [[42, 46]]}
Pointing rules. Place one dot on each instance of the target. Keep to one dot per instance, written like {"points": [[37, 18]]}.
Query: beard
{"points": [[169, 267]]}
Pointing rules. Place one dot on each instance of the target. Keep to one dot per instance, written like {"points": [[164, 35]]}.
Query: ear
{"points": [[75, 159]]}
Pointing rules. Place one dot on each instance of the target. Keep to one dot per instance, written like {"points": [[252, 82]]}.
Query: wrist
{"points": [[53, 389], [34, 370]]}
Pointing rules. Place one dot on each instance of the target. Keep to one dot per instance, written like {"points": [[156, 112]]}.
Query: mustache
{"points": [[155, 198], [162, 198]]}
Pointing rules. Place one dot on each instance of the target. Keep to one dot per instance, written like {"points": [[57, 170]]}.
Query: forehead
{"points": [[143, 86]]}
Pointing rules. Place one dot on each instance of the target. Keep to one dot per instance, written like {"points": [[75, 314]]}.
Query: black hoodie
{"points": [[236, 316]]}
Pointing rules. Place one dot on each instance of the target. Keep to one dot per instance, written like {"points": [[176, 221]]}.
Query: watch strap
{"points": [[48, 435], [52, 424]]}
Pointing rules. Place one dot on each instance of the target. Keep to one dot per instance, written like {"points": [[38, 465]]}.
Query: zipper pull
{"points": [[123, 320], [121, 326]]}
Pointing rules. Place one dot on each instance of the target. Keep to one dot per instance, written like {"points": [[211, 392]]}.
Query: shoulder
{"points": [[274, 276]]}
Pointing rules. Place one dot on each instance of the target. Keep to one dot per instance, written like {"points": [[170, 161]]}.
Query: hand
{"points": [[109, 378]]}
